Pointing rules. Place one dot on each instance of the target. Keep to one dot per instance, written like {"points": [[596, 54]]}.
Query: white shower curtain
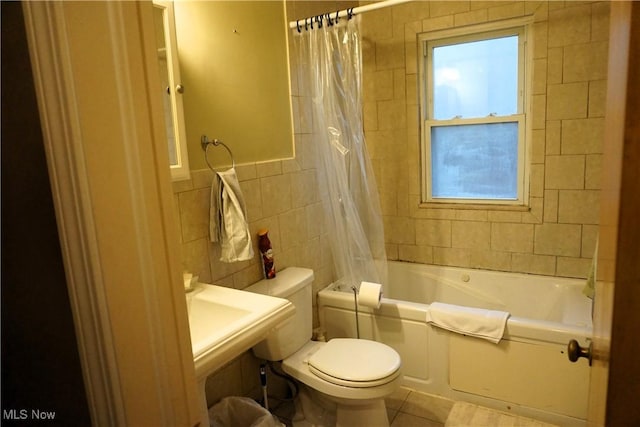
{"points": [[330, 60]]}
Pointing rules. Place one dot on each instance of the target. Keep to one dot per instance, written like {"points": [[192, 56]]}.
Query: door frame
{"points": [[615, 377], [105, 143]]}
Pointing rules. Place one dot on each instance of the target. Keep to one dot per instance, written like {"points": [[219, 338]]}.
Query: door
{"points": [[615, 377], [171, 89]]}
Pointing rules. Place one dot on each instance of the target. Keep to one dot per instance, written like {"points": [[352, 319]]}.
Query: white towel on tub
{"points": [[476, 322]]}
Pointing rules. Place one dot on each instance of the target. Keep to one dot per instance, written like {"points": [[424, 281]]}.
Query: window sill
{"points": [[474, 206]]}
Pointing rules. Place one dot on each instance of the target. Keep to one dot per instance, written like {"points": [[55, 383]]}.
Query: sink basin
{"points": [[226, 322], [211, 322]]}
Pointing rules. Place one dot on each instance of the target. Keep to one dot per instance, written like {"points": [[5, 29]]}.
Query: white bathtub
{"points": [[527, 373]]}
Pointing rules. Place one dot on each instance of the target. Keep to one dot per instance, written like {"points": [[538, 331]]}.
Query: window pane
{"points": [[476, 79], [475, 161]]}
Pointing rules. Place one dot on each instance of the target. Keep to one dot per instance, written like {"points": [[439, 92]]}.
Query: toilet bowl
{"points": [[356, 374], [349, 375]]}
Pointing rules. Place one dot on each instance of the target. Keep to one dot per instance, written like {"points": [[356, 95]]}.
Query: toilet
{"points": [[355, 374]]}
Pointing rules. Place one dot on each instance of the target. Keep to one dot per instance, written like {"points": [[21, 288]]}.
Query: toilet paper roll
{"points": [[370, 294]]}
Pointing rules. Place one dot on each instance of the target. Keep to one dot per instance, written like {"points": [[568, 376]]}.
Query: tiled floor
{"points": [[466, 414], [407, 408]]}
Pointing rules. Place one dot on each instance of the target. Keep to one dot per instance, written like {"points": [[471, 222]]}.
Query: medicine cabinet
{"points": [[171, 88]]}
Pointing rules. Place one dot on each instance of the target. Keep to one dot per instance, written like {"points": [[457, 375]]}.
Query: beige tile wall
{"points": [[556, 236], [280, 196]]}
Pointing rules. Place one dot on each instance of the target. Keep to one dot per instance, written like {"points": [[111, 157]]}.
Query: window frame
{"points": [[427, 41]]}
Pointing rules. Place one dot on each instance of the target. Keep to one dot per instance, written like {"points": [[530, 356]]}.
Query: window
{"points": [[473, 133]]}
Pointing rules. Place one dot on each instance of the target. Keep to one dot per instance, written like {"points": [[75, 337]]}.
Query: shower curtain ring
{"points": [[298, 25], [337, 17], [306, 28]]}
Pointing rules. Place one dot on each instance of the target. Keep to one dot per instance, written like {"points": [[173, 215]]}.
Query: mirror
{"points": [[171, 88], [234, 64]]}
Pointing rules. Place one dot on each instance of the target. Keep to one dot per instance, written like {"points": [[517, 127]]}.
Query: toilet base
{"points": [[320, 409], [373, 413], [314, 409]]}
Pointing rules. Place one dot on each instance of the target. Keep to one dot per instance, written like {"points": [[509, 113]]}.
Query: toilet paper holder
{"points": [[373, 295], [355, 305]]}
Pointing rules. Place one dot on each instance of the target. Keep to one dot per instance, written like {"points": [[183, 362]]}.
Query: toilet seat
{"points": [[297, 365], [355, 363]]}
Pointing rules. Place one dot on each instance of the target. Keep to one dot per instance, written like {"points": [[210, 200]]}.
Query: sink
{"points": [[224, 323], [211, 322]]}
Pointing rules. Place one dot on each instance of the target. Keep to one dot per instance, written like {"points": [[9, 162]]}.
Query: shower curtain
{"points": [[330, 64]]}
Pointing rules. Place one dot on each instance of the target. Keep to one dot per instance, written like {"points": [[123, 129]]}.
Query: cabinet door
{"points": [[172, 89]]}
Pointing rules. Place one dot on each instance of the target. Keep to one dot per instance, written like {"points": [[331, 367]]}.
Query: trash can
{"points": [[236, 411]]}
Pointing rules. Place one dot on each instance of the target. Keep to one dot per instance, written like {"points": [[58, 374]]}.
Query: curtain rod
{"points": [[353, 11]]}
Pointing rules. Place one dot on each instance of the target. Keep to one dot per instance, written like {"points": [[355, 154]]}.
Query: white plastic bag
{"points": [[241, 412]]}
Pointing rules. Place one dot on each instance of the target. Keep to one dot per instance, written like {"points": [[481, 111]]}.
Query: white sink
{"points": [[211, 322], [226, 322]]}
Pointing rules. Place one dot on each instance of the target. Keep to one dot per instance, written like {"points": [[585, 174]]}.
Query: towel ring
{"points": [[205, 143]]}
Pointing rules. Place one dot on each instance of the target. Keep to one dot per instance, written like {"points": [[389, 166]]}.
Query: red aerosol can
{"points": [[266, 253]]}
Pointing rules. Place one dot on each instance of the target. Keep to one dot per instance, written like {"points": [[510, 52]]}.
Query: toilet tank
{"points": [[294, 284]]}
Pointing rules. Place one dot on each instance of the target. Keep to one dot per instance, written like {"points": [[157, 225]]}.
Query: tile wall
{"points": [[280, 196], [557, 235]]}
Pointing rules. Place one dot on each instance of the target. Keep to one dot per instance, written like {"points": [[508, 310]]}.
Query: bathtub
{"points": [[527, 373]]}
